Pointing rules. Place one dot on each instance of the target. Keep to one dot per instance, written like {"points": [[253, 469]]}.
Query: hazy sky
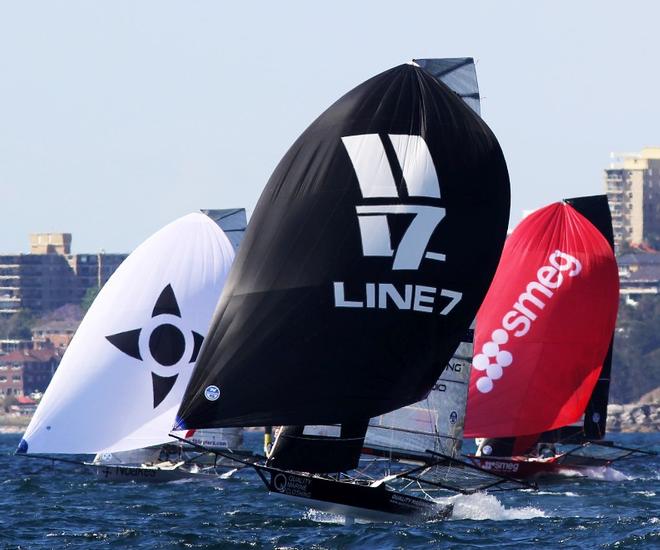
{"points": [[117, 117]]}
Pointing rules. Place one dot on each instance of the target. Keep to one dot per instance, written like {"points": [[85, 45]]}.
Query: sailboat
{"points": [[428, 434], [544, 335], [121, 380], [436, 422], [366, 259]]}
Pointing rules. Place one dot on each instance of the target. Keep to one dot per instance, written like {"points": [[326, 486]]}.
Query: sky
{"points": [[119, 117]]}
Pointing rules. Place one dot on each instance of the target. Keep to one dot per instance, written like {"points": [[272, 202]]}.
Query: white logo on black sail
{"points": [[385, 205], [212, 393], [374, 173]]}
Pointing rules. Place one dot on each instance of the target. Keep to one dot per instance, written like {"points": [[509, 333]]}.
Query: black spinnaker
{"points": [[365, 261]]}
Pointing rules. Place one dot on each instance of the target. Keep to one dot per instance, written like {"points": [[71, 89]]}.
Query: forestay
{"points": [[366, 259], [121, 380]]}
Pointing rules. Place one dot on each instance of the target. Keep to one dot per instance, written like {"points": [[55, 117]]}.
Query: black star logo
{"points": [[167, 344]]}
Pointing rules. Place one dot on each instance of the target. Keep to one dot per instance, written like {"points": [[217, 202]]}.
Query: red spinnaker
{"points": [[543, 330]]}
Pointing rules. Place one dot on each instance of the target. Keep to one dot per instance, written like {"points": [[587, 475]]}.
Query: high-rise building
{"points": [[632, 184], [50, 276]]}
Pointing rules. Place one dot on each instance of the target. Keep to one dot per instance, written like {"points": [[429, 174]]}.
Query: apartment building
{"points": [[632, 184], [27, 371], [50, 276]]}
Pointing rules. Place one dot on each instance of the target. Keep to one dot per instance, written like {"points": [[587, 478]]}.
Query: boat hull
{"points": [[361, 501], [531, 468], [137, 473]]}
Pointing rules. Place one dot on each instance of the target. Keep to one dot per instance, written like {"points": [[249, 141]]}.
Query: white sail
{"points": [[121, 380], [435, 423]]}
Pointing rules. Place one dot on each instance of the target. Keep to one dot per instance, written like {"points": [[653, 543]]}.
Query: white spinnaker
{"points": [[101, 399], [435, 423]]}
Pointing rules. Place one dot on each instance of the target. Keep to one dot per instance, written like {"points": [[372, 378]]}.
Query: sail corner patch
{"points": [[22, 447]]}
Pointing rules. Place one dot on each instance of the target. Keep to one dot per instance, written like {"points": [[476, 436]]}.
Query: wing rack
{"points": [[455, 475]]}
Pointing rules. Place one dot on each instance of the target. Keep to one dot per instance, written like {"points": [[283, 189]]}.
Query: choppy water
{"points": [[63, 507]]}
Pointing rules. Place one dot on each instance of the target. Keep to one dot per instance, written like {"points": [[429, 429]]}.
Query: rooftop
{"points": [[63, 319], [639, 258]]}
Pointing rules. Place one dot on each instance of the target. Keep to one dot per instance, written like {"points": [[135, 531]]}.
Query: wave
{"points": [[478, 506], [482, 506], [606, 473], [228, 474], [600, 473], [555, 493], [327, 517]]}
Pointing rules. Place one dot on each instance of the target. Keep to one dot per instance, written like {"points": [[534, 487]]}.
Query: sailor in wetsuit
{"points": [[546, 450]]}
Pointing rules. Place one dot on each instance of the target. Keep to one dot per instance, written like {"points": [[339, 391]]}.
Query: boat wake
{"points": [[607, 473], [327, 517], [478, 506], [599, 473], [482, 506]]}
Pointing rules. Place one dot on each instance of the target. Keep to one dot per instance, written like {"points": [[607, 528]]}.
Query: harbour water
{"points": [[60, 506]]}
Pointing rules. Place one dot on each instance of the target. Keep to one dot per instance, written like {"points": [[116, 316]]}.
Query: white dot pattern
{"points": [[492, 360]]}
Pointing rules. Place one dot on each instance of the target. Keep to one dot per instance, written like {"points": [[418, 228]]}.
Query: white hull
{"points": [[142, 473]]}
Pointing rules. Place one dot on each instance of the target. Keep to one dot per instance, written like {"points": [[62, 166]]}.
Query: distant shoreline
{"points": [[631, 418], [10, 424]]}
